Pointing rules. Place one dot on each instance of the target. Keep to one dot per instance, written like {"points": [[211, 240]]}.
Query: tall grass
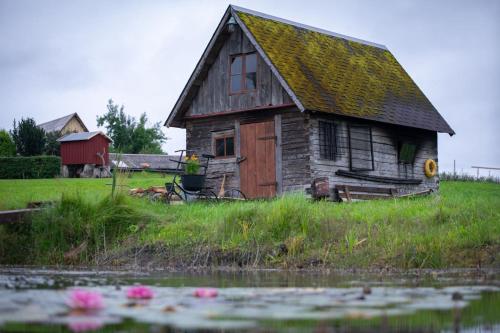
{"points": [[95, 227], [460, 227]]}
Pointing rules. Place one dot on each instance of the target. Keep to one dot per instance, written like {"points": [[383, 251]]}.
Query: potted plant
{"points": [[191, 180]]}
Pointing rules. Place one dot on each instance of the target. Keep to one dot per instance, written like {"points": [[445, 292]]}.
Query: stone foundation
{"points": [[85, 171]]}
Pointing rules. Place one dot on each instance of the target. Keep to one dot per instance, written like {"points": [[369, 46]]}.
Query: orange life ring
{"points": [[430, 168]]}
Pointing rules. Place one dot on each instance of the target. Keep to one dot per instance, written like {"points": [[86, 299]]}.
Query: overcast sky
{"points": [[59, 57]]}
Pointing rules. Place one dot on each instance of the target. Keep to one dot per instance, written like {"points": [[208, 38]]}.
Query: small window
{"points": [[251, 71], [243, 73], [224, 145], [229, 146], [236, 73], [220, 147], [328, 147], [361, 148], [407, 153]]}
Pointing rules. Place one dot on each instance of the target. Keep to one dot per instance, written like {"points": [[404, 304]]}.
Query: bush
{"points": [[7, 145], [28, 137], [52, 146], [29, 167]]}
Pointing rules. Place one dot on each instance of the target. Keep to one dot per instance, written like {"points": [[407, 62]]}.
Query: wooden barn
{"points": [[283, 105], [85, 154], [71, 123]]}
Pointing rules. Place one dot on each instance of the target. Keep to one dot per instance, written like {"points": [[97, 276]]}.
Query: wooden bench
{"points": [[351, 192], [16, 215], [19, 215]]}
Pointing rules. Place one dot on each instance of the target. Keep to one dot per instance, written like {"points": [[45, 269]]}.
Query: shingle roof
{"points": [[58, 124], [332, 73], [83, 136], [327, 72], [134, 161]]}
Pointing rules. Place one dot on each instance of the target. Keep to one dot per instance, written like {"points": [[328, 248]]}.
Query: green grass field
{"points": [[16, 193], [459, 227]]}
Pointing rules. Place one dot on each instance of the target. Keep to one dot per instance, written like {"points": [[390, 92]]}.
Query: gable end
{"points": [[208, 86]]}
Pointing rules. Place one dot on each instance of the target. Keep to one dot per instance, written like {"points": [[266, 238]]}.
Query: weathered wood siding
{"points": [[300, 160], [213, 95], [293, 159], [385, 140], [296, 170], [199, 137]]}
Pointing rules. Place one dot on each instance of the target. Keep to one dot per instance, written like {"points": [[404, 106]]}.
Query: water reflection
{"points": [[37, 300]]}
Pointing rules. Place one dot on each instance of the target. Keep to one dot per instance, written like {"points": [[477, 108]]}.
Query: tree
{"points": [[52, 146], [29, 138], [147, 140], [128, 135], [7, 145]]}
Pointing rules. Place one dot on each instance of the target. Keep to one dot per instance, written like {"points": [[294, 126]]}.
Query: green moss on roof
{"points": [[333, 74]]}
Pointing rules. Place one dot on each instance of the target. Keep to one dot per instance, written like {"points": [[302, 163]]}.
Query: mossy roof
{"points": [[336, 74]]}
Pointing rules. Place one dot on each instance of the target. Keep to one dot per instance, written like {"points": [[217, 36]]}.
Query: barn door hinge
{"points": [[274, 137], [268, 184]]}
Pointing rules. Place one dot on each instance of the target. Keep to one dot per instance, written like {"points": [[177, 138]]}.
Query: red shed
{"points": [[85, 148]]}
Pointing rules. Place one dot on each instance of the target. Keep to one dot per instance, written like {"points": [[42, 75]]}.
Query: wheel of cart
{"points": [[234, 194], [207, 195], [191, 187], [180, 195]]}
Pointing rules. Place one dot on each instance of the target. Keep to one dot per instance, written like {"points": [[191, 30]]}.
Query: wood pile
{"points": [[153, 191]]}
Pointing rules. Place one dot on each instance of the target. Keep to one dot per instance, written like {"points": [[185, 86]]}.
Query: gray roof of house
{"points": [[83, 136], [58, 124], [134, 161]]}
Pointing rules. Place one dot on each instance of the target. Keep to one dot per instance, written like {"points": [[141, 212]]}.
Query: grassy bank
{"points": [[460, 227]]}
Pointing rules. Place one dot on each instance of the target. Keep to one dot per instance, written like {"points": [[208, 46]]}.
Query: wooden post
{"points": [[347, 193]]}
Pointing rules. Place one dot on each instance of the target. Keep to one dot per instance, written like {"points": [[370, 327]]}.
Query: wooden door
{"points": [[258, 153]]}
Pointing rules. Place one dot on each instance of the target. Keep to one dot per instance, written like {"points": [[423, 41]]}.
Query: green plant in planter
{"points": [[192, 165]]}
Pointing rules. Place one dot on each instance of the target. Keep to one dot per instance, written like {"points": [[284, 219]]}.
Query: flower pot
{"points": [[193, 182]]}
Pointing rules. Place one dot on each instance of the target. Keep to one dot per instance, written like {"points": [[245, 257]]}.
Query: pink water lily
{"points": [[85, 300], [205, 293], [140, 292]]}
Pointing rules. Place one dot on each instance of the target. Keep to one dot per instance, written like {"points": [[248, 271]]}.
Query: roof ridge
{"points": [[82, 136], [308, 27], [53, 120]]}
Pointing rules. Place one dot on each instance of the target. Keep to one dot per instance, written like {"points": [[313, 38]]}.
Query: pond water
{"points": [[36, 300]]}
